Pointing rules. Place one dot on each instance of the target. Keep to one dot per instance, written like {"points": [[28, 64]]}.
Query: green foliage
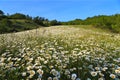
{"points": [[5, 25], [28, 17], [38, 20], [21, 25], [45, 22], [3, 17], [1, 13], [73, 22], [55, 22], [17, 16], [100, 21], [116, 28]]}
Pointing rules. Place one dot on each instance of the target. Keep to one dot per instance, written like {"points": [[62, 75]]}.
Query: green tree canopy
{"points": [[55, 22], [18, 16], [38, 20]]}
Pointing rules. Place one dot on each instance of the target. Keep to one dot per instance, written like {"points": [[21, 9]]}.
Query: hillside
{"points": [[108, 22], [60, 53], [20, 22]]}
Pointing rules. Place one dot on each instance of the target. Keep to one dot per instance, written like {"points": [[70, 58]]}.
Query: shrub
{"points": [[5, 25], [116, 28]]}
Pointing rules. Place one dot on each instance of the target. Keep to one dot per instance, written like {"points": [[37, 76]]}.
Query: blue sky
{"points": [[62, 10]]}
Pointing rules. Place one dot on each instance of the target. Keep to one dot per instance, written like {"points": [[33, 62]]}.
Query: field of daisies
{"points": [[60, 53]]}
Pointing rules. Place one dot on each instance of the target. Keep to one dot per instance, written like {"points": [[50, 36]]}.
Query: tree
{"points": [[55, 22], [28, 17], [1, 13], [38, 20]]}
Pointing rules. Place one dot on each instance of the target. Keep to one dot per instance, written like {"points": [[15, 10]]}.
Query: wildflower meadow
{"points": [[60, 53]]}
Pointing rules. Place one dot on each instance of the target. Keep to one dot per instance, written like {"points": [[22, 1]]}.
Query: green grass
{"points": [[91, 27], [60, 53]]}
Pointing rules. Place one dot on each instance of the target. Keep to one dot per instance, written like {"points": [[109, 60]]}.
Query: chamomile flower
{"points": [[113, 76], [93, 73]]}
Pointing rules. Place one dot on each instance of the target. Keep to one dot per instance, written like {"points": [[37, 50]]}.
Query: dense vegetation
{"points": [[60, 53], [111, 22], [19, 22]]}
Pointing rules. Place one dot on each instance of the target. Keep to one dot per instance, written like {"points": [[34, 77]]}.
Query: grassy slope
{"points": [[73, 33], [67, 42]]}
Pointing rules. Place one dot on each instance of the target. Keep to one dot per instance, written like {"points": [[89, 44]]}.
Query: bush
{"points": [[116, 28], [5, 25]]}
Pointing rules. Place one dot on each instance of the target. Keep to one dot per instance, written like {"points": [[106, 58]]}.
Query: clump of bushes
{"points": [[5, 26]]}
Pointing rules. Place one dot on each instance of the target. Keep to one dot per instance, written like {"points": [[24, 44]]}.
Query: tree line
{"points": [[111, 22]]}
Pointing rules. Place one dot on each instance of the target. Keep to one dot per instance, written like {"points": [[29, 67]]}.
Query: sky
{"points": [[62, 10]]}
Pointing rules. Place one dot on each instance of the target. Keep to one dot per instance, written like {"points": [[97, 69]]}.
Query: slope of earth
{"points": [[60, 53]]}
